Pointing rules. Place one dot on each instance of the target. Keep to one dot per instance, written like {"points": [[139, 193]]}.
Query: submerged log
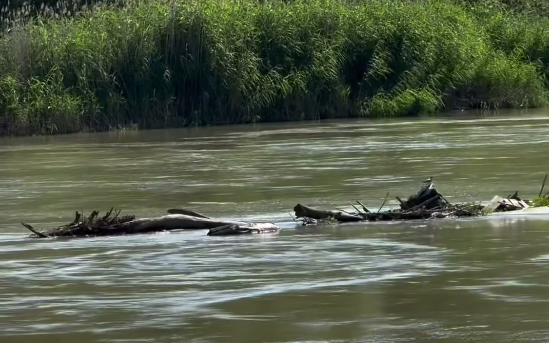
{"points": [[302, 211], [112, 224]]}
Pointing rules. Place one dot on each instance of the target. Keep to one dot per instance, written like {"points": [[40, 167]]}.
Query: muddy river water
{"points": [[481, 280]]}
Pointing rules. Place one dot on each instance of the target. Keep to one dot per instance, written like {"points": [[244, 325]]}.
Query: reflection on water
{"points": [[447, 280]]}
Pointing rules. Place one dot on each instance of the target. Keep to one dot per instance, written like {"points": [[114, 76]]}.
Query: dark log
{"points": [[31, 229], [302, 211], [231, 230], [427, 192], [427, 203], [224, 230], [309, 215], [114, 224]]}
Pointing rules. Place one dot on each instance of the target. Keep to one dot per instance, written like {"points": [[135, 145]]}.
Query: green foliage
{"points": [[538, 8], [177, 63], [540, 202]]}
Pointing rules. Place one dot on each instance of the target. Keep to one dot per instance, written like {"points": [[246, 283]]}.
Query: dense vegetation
{"points": [[186, 62], [541, 201]]}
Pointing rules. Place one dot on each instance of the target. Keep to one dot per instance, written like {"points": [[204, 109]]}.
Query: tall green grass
{"points": [[201, 62]]}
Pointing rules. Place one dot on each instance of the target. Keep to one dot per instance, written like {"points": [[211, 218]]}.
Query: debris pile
{"points": [[427, 203]]}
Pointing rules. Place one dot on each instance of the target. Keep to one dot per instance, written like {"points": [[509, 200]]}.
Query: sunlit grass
{"points": [[540, 201], [197, 62]]}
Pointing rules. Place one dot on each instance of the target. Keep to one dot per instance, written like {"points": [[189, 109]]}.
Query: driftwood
{"points": [[112, 224], [232, 229], [311, 215], [427, 197], [302, 211], [427, 203]]}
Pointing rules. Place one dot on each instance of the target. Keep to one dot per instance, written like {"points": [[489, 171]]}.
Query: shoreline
{"points": [[445, 116], [203, 63]]}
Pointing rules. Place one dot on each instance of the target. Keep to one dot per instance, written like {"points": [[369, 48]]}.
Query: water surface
{"points": [[448, 280]]}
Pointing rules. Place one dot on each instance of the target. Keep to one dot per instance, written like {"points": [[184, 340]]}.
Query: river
{"points": [[480, 280]]}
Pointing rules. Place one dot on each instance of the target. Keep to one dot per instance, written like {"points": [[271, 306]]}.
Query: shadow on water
{"points": [[446, 280]]}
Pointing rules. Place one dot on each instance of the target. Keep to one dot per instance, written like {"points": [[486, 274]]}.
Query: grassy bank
{"points": [[198, 62]]}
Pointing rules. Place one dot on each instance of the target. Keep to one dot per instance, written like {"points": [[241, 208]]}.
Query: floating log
{"points": [[462, 210], [426, 203], [232, 229], [302, 211], [112, 224]]}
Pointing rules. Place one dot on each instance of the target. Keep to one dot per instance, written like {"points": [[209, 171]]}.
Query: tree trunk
{"points": [[113, 225]]}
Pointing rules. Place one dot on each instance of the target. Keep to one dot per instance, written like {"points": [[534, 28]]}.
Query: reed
{"points": [[200, 62]]}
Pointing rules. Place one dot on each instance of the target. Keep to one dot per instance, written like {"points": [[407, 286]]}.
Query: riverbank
{"points": [[158, 64]]}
